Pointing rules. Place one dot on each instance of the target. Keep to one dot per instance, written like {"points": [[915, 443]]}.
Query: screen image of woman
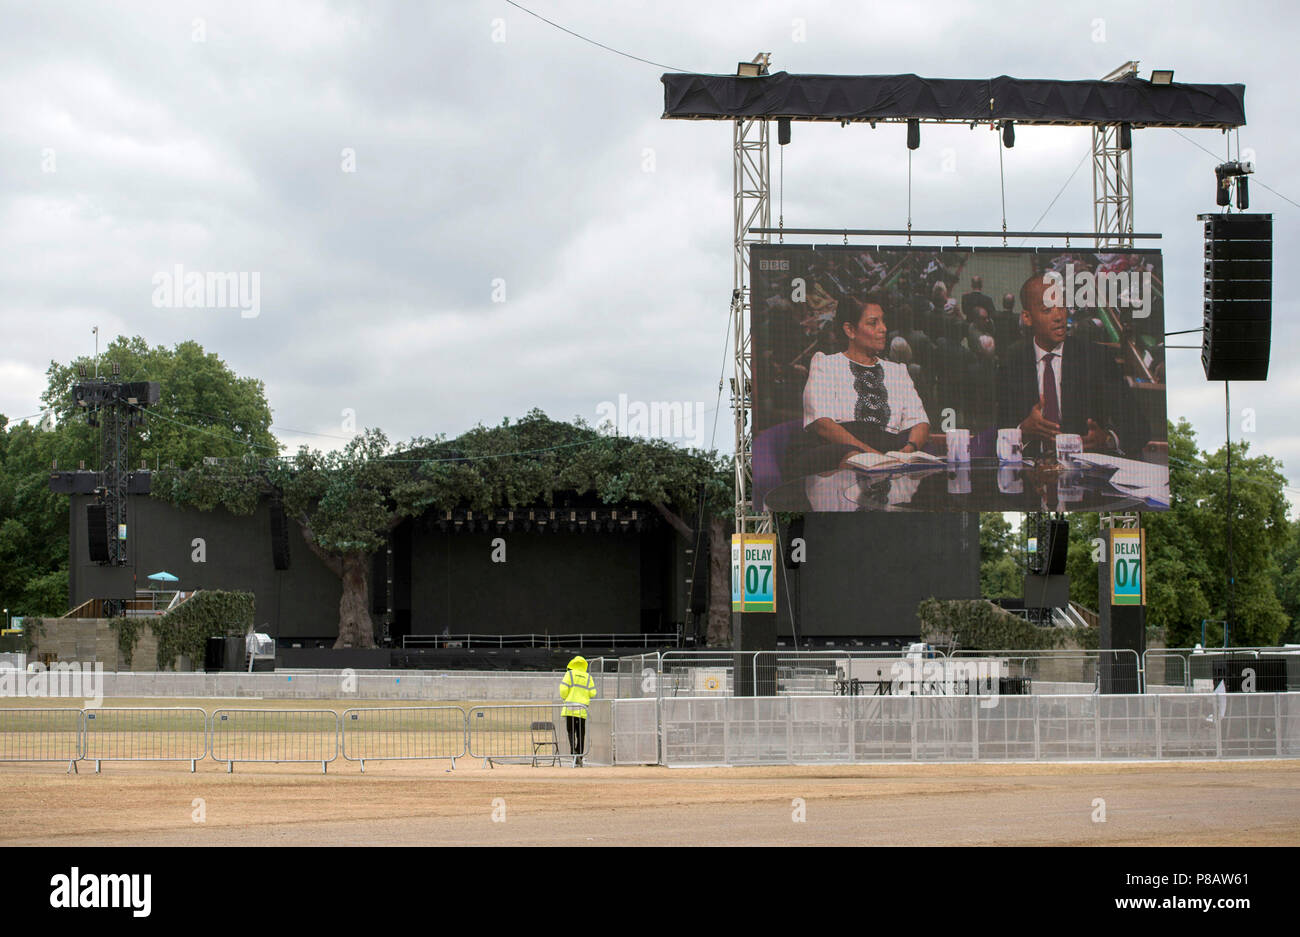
{"points": [[856, 400]]}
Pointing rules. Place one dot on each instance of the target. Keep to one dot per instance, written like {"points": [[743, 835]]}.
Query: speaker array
{"points": [[1238, 296], [97, 532]]}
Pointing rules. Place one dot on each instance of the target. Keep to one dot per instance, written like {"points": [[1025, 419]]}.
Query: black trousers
{"points": [[577, 728]]}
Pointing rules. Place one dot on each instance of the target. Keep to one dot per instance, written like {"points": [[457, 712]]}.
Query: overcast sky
{"points": [[391, 171]]}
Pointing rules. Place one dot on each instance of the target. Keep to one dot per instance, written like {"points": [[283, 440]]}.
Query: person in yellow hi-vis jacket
{"points": [[577, 689]]}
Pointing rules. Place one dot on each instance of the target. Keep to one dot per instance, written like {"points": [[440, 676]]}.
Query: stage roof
{"points": [[902, 97]]}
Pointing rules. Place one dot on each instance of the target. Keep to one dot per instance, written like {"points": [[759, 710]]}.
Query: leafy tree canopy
{"points": [[205, 409]]}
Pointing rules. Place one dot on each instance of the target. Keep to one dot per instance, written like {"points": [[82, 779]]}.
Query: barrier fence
{"points": [[1060, 672], [1178, 669], [41, 735], [397, 734], [418, 687], [532, 734], [775, 730], [144, 735], [273, 736], [684, 731]]}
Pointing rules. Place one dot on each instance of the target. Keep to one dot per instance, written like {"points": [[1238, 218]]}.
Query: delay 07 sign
{"points": [[753, 573], [1128, 555]]}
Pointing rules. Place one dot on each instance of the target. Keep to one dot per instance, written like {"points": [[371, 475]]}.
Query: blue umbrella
{"points": [[163, 577]]}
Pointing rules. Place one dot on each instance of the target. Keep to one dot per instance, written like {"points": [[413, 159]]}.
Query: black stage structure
{"points": [[575, 567]]}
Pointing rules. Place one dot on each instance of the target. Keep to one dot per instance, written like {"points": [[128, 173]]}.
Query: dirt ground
{"points": [[426, 803]]}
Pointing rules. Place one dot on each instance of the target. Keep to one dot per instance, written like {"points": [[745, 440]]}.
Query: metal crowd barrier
{"points": [[41, 735], [634, 732], [521, 734], [1178, 668], [140, 734], [864, 729], [686, 731], [274, 736], [398, 734], [1072, 670]]}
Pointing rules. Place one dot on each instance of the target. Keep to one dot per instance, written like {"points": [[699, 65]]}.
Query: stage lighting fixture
{"points": [[1222, 196], [1224, 173], [1126, 136], [913, 134], [783, 130], [1243, 193], [1162, 77], [1009, 133], [748, 70]]}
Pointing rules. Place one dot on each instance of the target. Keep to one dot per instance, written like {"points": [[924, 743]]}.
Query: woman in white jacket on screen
{"points": [[856, 400]]}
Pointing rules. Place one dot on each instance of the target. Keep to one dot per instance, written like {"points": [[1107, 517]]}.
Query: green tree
{"points": [[348, 501], [1286, 581], [1001, 558], [33, 523], [1082, 560], [204, 408], [1187, 561]]}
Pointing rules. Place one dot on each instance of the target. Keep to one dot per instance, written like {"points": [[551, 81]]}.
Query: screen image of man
{"points": [[1051, 382]]}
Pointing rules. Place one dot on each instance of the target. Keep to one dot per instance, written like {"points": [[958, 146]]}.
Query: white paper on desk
{"points": [[902, 488], [1133, 477], [834, 491]]}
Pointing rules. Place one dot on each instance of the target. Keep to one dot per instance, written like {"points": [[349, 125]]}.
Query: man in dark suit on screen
{"points": [[1050, 383]]}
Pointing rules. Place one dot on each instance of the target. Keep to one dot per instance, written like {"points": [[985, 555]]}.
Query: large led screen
{"points": [[957, 379]]}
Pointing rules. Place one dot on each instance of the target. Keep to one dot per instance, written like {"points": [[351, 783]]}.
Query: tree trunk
{"points": [[356, 629], [719, 631]]}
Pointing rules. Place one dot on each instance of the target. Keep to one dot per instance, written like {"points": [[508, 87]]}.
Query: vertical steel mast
{"points": [[1112, 212], [751, 208], [1112, 178]]}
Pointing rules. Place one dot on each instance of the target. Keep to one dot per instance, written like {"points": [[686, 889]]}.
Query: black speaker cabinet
{"points": [[1238, 296], [1058, 547], [214, 655], [97, 532]]}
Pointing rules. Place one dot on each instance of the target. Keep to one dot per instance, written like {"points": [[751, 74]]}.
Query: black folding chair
{"points": [[543, 736]]}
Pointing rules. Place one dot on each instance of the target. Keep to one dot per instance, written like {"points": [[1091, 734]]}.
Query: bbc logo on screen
{"points": [[774, 265]]}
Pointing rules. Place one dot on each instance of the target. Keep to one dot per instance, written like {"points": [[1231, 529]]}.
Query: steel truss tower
{"points": [[752, 208], [1112, 212], [115, 406]]}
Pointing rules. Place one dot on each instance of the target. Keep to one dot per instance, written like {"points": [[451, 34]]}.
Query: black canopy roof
{"points": [[901, 97]]}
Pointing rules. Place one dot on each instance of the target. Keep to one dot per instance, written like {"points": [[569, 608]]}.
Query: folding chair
{"points": [[539, 732]]}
